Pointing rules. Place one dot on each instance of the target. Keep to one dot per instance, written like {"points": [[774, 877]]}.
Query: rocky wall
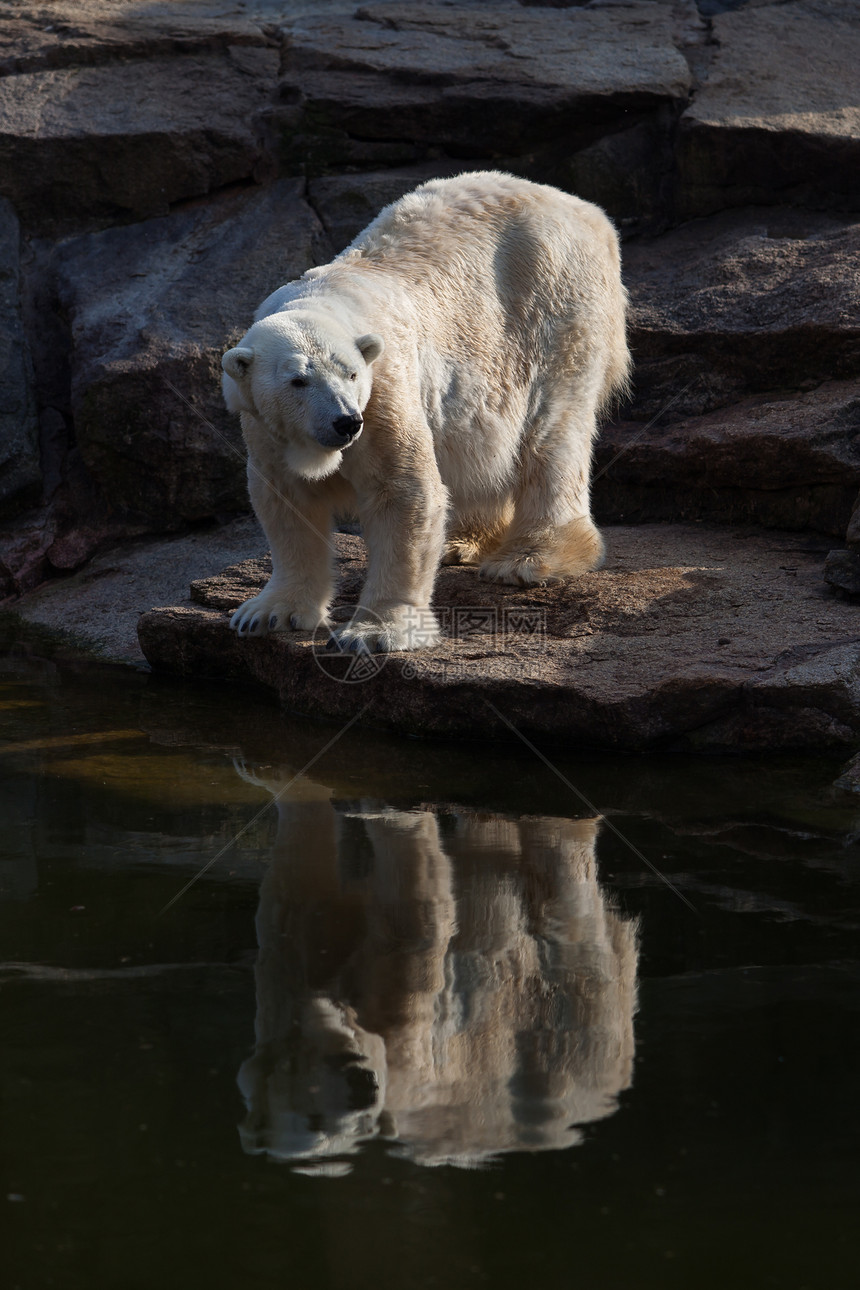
{"points": [[163, 166]]}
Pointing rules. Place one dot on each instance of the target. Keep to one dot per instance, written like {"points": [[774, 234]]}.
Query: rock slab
{"points": [[778, 115], [690, 637], [96, 609], [789, 462], [128, 139], [742, 302], [394, 80]]}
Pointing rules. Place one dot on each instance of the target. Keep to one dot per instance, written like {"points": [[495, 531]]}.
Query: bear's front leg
{"points": [[296, 520], [403, 514]]}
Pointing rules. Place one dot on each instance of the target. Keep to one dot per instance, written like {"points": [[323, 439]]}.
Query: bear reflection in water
{"points": [[456, 982]]}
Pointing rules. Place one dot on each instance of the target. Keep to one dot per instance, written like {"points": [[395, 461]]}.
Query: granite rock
{"points": [[153, 306], [849, 780], [628, 173], [125, 139], [97, 607], [788, 462], [24, 547], [395, 83], [778, 116], [83, 33], [842, 572], [739, 303]]}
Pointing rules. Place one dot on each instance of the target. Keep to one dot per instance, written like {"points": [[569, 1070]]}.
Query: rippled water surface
{"points": [[287, 1007]]}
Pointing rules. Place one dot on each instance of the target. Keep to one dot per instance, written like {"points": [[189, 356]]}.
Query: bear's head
{"points": [[303, 381]]}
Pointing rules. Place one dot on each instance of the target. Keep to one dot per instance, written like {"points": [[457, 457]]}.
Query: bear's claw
{"points": [[343, 644]]}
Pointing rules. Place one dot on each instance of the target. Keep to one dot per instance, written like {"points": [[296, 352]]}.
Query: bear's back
{"points": [[446, 219]]}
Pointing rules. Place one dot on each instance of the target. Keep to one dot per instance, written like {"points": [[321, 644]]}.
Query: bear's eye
{"points": [[353, 376], [299, 382]]}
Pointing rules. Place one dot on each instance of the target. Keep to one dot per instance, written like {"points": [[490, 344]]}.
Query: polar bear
{"points": [[441, 378]]}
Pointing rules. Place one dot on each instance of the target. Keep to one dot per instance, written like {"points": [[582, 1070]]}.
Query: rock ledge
{"points": [[689, 637]]}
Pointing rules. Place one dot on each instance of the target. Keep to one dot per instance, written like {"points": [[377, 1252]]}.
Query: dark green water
{"points": [[424, 1023]]}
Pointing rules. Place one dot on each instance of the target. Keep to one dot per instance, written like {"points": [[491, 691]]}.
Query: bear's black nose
{"points": [[347, 426]]}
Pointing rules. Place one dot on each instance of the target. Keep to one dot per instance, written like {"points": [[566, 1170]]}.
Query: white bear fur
{"points": [[477, 329]]}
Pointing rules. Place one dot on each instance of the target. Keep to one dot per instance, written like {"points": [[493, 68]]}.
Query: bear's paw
{"points": [[518, 571], [270, 611], [461, 551], [387, 633]]}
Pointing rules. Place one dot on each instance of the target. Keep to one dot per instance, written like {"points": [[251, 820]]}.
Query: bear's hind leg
{"points": [[462, 548], [476, 536], [552, 535], [536, 558]]}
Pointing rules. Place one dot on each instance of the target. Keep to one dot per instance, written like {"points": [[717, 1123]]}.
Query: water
{"points": [[425, 1023]]}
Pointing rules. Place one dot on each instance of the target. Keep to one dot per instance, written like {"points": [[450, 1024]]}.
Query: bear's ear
{"points": [[370, 346], [237, 362]]}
